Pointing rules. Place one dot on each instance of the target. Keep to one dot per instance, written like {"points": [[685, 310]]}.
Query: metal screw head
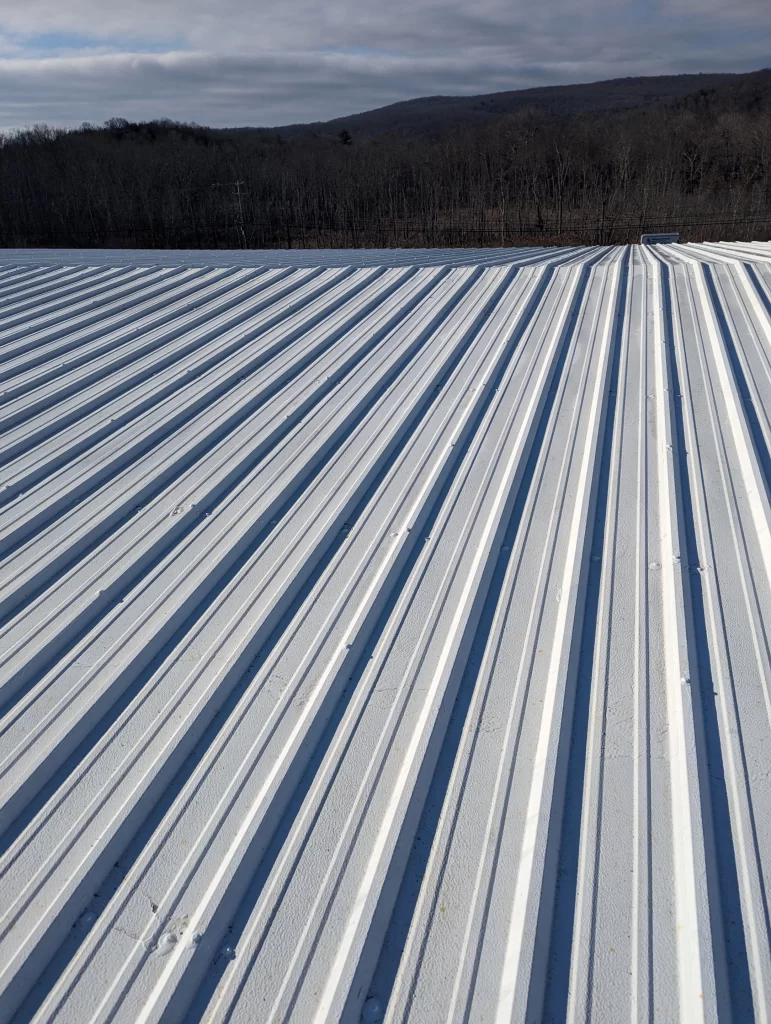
{"points": [[167, 942], [372, 1011]]}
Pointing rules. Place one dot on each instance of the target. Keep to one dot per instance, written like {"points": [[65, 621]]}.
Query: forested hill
{"points": [[434, 114], [698, 162]]}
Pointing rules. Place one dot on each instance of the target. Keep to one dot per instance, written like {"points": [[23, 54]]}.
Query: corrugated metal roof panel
{"points": [[706, 252], [309, 257], [386, 642]]}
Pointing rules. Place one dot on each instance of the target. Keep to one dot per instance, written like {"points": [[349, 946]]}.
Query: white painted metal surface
{"points": [[665, 238], [385, 639], [706, 252], [310, 257]]}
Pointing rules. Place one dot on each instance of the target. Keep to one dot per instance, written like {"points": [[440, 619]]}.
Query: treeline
{"points": [[701, 166]]}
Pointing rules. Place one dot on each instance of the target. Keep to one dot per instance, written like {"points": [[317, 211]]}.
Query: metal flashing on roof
{"points": [[385, 639], [662, 238]]}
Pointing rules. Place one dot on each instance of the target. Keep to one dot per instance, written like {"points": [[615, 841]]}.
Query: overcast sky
{"points": [[272, 62]]}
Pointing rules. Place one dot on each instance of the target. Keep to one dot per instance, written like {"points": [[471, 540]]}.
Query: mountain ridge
{"points": [[428, 115]]}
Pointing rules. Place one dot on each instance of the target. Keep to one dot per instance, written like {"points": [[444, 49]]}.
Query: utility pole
{"points": [[237, 186]]}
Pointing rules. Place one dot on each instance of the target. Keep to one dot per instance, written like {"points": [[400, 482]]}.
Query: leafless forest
{"points": [[700, 165]]}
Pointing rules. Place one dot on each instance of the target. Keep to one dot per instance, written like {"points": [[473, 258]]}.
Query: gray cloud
{"points": [[241, 63]]}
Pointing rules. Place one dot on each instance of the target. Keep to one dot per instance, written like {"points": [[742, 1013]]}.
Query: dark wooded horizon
{"points": [[698, 163]]}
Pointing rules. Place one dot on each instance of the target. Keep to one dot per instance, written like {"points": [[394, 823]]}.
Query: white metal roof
{"points": [[385, 639], [313, 257], [705, 252]]}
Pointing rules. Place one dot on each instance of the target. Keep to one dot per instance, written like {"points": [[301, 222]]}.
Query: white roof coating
{"points": [[385, 635]]}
